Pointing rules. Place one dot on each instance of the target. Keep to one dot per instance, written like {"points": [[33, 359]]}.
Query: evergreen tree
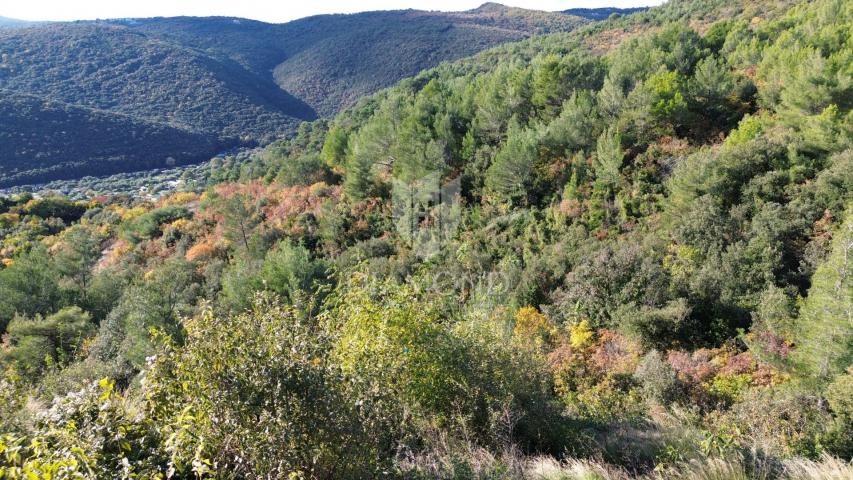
{"points": [[512, 172], [608, 158], [826, 317]]}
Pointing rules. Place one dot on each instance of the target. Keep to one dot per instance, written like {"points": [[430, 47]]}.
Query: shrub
{"points": [[779, 422], [58, 207], [657, 378], [90, 433], [256, 394], [148, 224], [289, 271], [532, 327], [386, 334], [462, 379]]}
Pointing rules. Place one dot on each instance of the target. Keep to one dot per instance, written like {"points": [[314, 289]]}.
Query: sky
{"points": [[266, 10]]}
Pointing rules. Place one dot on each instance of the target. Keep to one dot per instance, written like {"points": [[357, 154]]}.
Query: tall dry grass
{"points": [[478, 464]]}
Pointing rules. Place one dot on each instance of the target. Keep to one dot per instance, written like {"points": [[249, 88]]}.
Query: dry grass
{"points": [[717, 469], [476, 464], [828, 468], [547, 468]]}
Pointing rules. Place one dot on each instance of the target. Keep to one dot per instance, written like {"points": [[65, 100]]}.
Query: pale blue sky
{"points": [[266, 10]]}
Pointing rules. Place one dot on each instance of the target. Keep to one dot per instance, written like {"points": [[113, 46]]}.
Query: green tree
{"points": [[55, 206], [556, 77], [157, 301], [608, 159], [148, 225], [372, 145], [289, 271], [576, 126], [712, 92], [29, 286], [668, 103], [240, 215], [36, 342], [75, 260], [512, 174], [335, 147], [826, 316]]}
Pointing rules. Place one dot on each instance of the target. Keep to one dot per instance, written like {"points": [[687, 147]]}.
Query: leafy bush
{"points": [[257, 394], [91, 433], [657, 378], [148, 225]]}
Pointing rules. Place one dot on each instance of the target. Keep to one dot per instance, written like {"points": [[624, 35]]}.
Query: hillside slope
{"points": [[232, 81], [117, 69], [602, 13], [59, 140], [329, 61]]}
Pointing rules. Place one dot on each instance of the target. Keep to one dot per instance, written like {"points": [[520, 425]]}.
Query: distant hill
{"points": [[602, 13], [207, 83], [61, 140], [6, 22], [329, 61]]}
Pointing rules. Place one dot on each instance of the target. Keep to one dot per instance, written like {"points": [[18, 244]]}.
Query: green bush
{"points": [[256, 394], [458, 379], [58, 207], [90, 433], [658, 380], [148, 224]]}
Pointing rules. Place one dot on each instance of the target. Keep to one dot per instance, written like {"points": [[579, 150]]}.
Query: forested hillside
{"points": [[602, 13], [229, 81], [66, 140], [135, 82], [620, 252], [329, 61]]}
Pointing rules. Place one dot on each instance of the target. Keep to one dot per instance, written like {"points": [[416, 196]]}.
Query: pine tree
{"points": [[608, 158], [513, 169], [826, 317]]}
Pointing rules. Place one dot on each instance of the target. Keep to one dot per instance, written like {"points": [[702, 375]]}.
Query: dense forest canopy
{"points": [[619, 252]]}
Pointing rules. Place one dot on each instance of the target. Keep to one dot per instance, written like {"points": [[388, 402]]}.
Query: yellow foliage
{"points": [[9, 219], [114, 253], [581, 335], [180, 224], [531, 325], [52, 242], [180, 198], [8, 262], [682, 260], [131, 213]]}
